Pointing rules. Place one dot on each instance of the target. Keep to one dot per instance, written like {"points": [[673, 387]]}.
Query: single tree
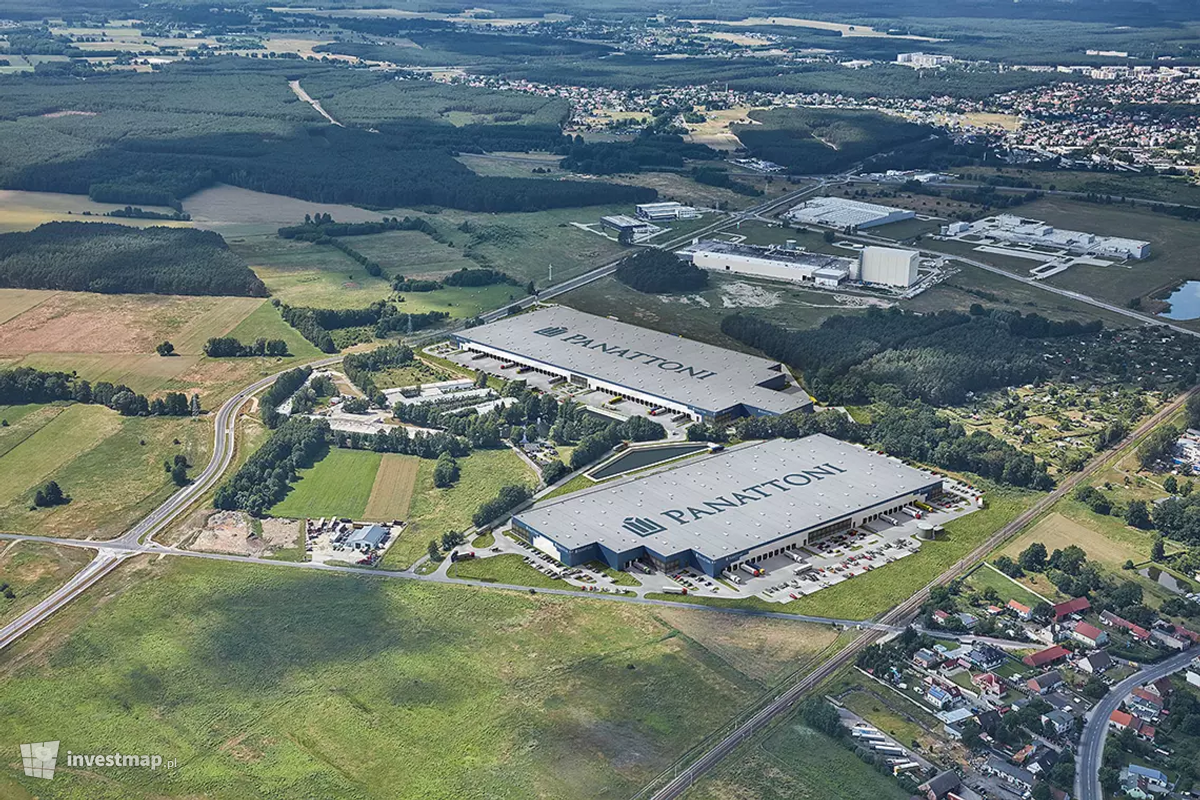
{"points": [[1033, 558], [434, 553], [166, 349], [1137, 515], [1170, 484], [179, 474], [1157, 551]]}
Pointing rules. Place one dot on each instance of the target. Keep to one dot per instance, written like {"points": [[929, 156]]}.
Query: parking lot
{"points": [[599, 401], [329, 540]]}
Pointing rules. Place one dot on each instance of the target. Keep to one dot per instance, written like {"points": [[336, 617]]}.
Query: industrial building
{"points": [[781, 263], [840, 213], [875, 266], [629, 229], [1011, 229], [666, 211], [655, 369], [714, 513], [924, 60], [888, 266]]}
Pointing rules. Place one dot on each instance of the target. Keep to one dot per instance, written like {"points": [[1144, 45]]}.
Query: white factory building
{"points": [[841, 213], [654, 212], [1011, 229], [888, 266], [924, 60], [876, 266]]}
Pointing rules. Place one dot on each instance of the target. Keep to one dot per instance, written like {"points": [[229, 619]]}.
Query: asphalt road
{"points": [[112, 552], [1091, 741]]}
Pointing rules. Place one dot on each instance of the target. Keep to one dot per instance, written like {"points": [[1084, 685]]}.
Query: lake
{"points": [[1185, 302]]}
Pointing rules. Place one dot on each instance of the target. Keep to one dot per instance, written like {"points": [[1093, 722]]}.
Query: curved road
{"points": [[113, 552], [1091, 741]]}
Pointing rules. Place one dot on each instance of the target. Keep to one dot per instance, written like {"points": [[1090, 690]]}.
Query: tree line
{"points": [[28, 385], [284, 387], [322, 225], [359, 366], [115, 259], [315, 324], [230, 347], [266, 476]]}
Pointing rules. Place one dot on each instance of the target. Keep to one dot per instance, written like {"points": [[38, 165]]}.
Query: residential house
{"points": [[926, 659], [954, 721], [1070, 608], [1058, 721], [985, 657], [1048, 656], [1143, 782], [1146, 705], [1184, 633], [1045, 682], [969, 621], [939, 698], [1044, 761], [1170, 640], [1120, 720], [989, 684], [1138, 632], [1019, 777], [1095, 663], [939, 786], [1089, 635], [940, 617], [1023, 612], [993, 610]]}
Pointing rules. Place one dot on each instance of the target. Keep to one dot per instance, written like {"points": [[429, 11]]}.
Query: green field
{"points": [[985, 577], [33, 570], [509, 569], [338, 485], [410, 253], [305, 274], [111, 466], [265, 323], [435, 511], [795, 763], [385, 689]]}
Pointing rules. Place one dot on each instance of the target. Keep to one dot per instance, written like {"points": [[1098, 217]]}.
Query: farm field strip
{"points": [[62, 439], [392, 492], [339, 485]]}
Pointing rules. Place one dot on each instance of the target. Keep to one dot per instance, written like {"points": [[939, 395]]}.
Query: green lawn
{"points": [[382, 689], [795, 763], [509, 568], [410, 253], [338, 485], [111, 467], [882, 709], [435, 511], [462, 301], [985, 576], [266, 323]]}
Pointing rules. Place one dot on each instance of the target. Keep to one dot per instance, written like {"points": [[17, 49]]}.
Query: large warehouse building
{"points": [[785, 264], [878, 266], [716, 512], [841, 213], [707, 383], [1011, 229]]}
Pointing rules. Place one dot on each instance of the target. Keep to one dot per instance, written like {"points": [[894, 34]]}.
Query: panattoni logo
{"points": [[629, 354], [648, 526], [39, 759]]}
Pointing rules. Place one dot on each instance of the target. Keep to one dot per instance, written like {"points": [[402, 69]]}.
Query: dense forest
{"points": [[649, 151], [935, 357], [27, 385], [359, 366], [111, 259], [657, 271], [325, 165], [809, 140]]}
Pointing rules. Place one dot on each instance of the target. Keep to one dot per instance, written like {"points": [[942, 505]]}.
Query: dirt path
{"points": [[303, 95]]}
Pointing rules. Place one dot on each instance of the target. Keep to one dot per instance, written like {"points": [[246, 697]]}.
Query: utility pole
{"points": [[550, 280]]}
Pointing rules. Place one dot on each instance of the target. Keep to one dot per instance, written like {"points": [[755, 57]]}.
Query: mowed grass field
{"points": [[111, 466], [306, 274], [986, 576], [33, 570], [1058, 531], [435, 511], [795, 763], [285, 683], [411, 253], [339, 485], [392, 492]]}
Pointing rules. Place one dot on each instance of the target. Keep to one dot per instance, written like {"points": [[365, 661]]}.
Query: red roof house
{"points": [[1076, 606], [1047, 656]]}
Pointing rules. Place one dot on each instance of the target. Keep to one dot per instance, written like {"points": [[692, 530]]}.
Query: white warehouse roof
{"points": [[668, 367], [730, 502], [840, 212]]}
